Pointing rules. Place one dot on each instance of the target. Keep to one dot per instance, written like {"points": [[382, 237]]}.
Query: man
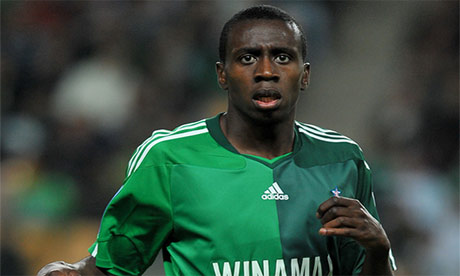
{"points": [[250, 191]]}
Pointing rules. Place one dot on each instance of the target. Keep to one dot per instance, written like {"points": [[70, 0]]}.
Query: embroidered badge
{"points": [[336, 191]]}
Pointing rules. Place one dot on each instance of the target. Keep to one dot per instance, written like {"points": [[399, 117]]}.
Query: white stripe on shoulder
{"points": [[335, 140], [161, 133], [172, 136], [155, 134], [190, 125], [322, 132], [320, 128]]}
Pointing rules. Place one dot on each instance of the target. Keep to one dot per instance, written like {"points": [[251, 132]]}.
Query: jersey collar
{"points": [[216, 133]]}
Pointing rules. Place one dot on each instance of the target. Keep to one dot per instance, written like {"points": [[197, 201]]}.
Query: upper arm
{"points": [[135, 223]]}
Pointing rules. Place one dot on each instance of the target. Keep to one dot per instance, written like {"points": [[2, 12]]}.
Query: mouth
{"points": [[267, 99]]}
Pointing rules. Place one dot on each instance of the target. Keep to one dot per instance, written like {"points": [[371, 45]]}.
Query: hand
{"points": [[59, 269], [341, 216]]}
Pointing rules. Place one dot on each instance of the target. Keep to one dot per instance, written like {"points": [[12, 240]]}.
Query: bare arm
{"points": [[347, 217], [86, 266]]}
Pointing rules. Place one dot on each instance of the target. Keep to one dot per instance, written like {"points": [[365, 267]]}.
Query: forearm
{"points": [[377, 263]]}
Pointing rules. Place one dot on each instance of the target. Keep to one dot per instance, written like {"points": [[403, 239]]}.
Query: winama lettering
{"points": [[309, 266]]}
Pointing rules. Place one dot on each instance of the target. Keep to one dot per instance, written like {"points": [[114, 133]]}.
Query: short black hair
{"points": [[259, 12]]}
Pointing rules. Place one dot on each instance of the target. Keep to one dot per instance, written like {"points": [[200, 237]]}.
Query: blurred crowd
{"points": [[84, 82], [417, 131]]}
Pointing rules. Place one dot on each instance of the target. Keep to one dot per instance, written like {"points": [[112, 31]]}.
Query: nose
{"points": [[266, 71]]}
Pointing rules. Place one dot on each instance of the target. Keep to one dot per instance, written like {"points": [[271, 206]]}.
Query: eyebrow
{"points": [[252, 50], [256, 50], [290, 51]]}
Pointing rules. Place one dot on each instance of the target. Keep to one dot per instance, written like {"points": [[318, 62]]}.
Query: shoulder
{"points": [[155, 149], [326, 136], [328, 143]]}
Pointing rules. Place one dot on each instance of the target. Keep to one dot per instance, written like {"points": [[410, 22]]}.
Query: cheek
{"points": [[239, 73], [295, 79], [239, 80]]}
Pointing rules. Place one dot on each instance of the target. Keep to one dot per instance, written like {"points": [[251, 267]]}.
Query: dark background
{"points": [[83, 83]]}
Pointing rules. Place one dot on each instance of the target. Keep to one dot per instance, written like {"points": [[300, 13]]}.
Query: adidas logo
{"points": [[274, 192]]}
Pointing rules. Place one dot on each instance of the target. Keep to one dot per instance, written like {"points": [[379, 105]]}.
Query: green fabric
{"points": [[266, 160], [217, 212]]}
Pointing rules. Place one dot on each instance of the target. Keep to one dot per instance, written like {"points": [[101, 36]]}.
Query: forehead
{"points": [[263, 32]]}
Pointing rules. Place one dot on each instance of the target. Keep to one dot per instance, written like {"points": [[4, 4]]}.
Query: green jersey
{"points": [[215, 211]]}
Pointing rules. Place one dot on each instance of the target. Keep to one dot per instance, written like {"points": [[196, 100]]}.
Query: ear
{"points": [[306, 76], [221, 76]]}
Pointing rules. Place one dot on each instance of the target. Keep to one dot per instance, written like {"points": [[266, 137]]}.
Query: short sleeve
{"points": [[353, 254], [365, 192], [135, 223]]}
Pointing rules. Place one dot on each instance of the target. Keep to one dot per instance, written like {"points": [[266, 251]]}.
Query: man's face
{"points": [[263, 70]]}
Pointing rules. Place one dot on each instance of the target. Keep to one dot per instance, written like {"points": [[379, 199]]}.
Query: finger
{"points": [[340, 211], [334, 201], [329, 203], [343, 232], [341, 222], [334, 212]]}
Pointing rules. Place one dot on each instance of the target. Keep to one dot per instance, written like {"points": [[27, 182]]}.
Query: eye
{"points": [[283, 59], [247, 59]]}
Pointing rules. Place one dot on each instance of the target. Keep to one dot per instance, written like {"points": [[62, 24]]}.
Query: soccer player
{"points": [[250, 191]]}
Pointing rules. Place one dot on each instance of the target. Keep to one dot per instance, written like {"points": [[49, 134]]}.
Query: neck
{"points": [[260, 139]]}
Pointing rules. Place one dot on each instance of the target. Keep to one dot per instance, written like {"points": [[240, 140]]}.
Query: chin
{"points": [[270, 117]]}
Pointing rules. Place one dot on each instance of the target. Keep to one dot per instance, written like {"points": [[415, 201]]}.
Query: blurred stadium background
{"points": [[83, 83]]}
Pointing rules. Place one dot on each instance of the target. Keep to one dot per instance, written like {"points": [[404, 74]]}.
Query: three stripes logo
{"points": [[274, 192]]}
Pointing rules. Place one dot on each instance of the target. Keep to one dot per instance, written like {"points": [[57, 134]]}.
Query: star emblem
{"points": [[336, 191]]}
